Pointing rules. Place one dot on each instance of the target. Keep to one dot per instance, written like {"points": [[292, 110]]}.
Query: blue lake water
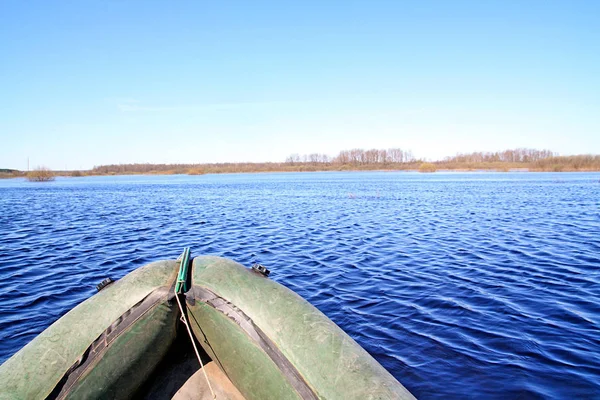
{"points": [[462, 285]]}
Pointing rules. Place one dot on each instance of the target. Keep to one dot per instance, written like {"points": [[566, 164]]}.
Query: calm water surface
{"points": [[461, 285]]}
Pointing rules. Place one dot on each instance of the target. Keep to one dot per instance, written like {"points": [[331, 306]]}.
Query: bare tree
{"points": [[40, 174]]}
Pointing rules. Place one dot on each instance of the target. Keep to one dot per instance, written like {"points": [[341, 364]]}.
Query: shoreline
{"points": [[390, 160], [80, 173]]}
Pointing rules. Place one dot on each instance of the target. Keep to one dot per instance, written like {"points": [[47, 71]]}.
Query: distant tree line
{"points": [[394, 159], [140, 168], [356, 157], [509, 156], [192, 169], [530, 159], [345, 160], [10, 173], [582, 162], [349, 160]]}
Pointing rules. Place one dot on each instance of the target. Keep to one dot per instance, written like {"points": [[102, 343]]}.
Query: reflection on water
{"points": [[461, 285]]}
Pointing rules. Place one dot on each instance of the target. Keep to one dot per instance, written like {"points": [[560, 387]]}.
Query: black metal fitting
{"points": [[261, 269], [104, 283]]}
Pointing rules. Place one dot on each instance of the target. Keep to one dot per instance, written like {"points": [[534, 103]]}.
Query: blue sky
{"points": [[85, 83]]}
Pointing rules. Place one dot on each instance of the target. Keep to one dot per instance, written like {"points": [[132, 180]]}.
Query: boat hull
{"points": [[268, 341], [272, 338], [103, 348]]}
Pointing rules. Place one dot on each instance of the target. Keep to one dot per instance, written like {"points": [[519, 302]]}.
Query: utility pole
{"points": [[27, 164]]}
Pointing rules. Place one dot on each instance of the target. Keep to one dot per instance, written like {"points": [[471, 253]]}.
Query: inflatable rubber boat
{"points": [[195, 329]]}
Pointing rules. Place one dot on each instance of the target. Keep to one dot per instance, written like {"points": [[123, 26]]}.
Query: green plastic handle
{"points": [[181, 285]]}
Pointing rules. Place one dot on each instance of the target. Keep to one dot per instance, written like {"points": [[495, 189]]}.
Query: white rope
{"points": [[185, 322]]}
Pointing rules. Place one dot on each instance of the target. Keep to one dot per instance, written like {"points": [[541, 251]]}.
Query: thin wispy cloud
{"points": [[132, 105], [135, 106]]}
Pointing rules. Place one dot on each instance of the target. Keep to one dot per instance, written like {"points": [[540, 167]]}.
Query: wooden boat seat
{"points": [[196, 388], [179, 377]]}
